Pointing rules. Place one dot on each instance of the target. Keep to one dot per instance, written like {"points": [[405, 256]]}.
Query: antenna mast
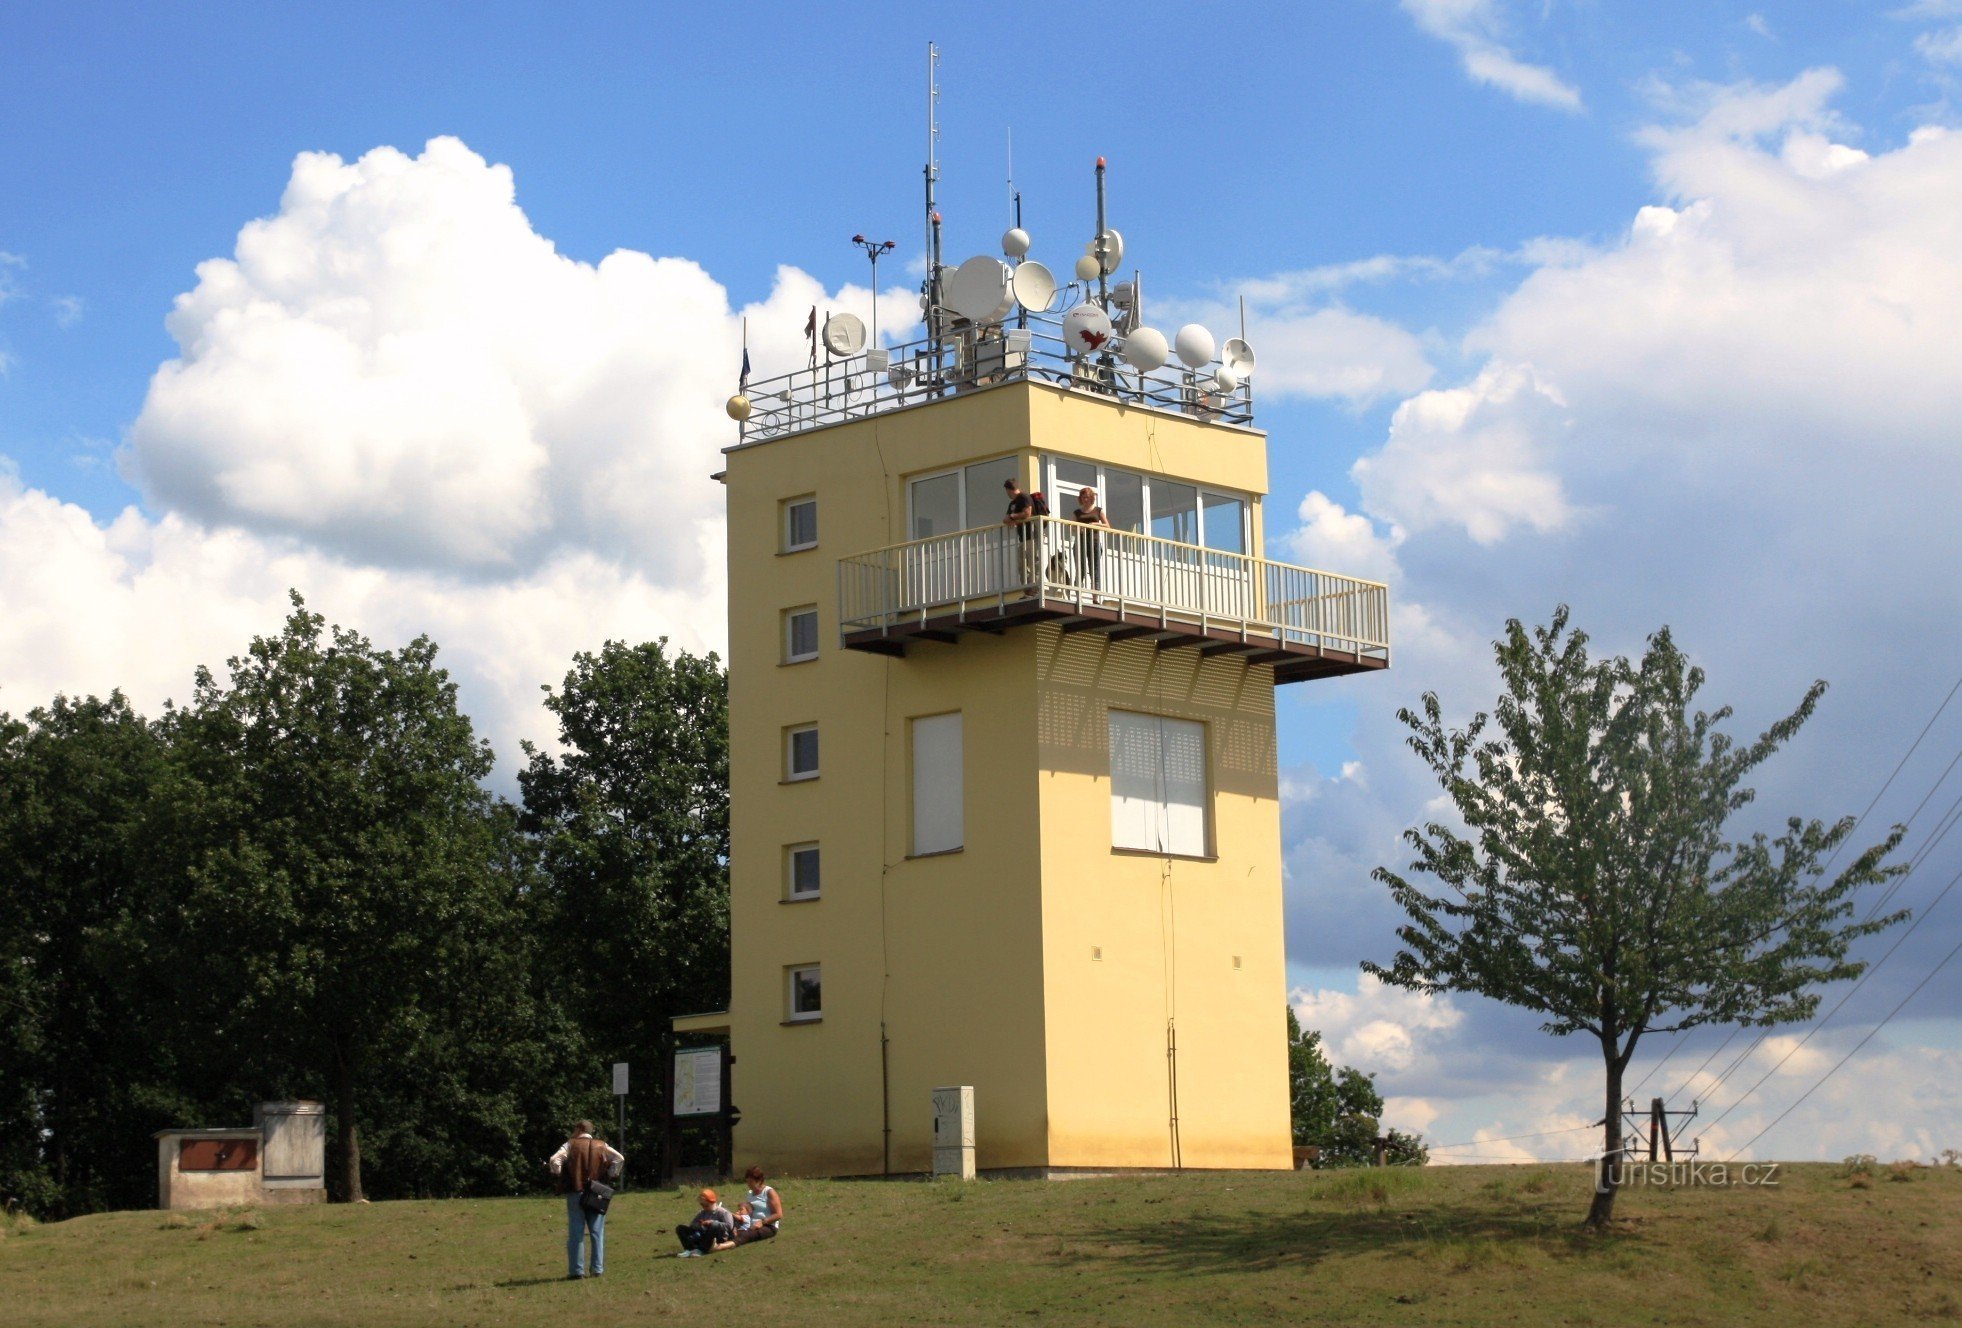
{"points": [[932, 214]]}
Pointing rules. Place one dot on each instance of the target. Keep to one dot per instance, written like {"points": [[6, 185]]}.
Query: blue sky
{"points": [[1641, 308]]}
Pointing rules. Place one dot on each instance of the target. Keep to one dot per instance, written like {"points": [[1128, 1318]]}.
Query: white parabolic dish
{"points": [[1034, 287], [844, 334], [977, 290]]}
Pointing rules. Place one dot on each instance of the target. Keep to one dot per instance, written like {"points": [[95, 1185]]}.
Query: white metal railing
{"points": [[886, 378], [1147, 578]]}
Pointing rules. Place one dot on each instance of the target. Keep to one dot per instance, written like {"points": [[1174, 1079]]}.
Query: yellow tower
{"points": [[1004, 798]]}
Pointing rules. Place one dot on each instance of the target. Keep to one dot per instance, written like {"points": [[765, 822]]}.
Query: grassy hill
{"points": [[1471, 1245]]}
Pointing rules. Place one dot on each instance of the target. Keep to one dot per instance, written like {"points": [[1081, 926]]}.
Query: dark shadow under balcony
{"points": [[1305, 623]]}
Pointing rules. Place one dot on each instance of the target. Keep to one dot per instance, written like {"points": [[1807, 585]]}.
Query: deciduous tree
{"points": [[1592, 880]]}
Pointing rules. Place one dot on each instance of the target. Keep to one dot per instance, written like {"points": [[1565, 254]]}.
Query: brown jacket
{"points": [[585, 1159]]}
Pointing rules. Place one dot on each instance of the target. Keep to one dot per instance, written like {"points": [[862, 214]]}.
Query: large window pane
{"points": [[987, 501], [1123, 500], [936, 506], [1226, 522], [1182, 750], [938, 787], [1066, 477], [807, 993], [1175, 511]]}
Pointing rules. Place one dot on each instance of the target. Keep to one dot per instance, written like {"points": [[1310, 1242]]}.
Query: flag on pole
{"points": [[811, 332], [742, 379]]}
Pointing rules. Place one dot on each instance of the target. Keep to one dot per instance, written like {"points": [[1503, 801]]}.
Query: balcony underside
{"points": [[1293, 661]]}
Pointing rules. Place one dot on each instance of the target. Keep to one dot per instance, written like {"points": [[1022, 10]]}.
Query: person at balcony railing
{"points": [[1023, 509], [1089, 543]]}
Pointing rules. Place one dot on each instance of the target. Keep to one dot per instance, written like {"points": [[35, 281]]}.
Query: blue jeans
{"points": [[577, 1223]]}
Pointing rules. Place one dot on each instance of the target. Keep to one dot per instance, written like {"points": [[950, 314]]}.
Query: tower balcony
{"points": [[1307, 624]]}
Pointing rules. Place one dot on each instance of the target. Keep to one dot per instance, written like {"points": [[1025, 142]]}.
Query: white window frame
{"points": [[790, 617], [791, 852], [967, 519], [1061, 503], [790, 544], [1159, 817], [790, 772], [791, 1014], [939, 821]]}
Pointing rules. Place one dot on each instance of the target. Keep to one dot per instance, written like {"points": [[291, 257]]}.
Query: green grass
{"points": [[1462, 1246]]}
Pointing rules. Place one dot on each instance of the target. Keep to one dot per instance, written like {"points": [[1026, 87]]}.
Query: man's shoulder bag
{"points": [[596, 1197]]}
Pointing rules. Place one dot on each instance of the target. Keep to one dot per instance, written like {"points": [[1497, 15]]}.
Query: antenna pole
{"points": [[1103, 280], [932, 213]]}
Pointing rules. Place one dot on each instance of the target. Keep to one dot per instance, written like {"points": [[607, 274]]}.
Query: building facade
{"points": [[1004, 801]]}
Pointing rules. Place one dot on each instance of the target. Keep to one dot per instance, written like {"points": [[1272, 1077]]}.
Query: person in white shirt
{"points": [[580, 1159]]}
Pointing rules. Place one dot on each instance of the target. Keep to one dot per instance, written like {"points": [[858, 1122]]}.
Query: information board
{"points": [[698, 1081]]}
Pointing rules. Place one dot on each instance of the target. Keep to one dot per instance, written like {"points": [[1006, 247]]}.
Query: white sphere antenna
{"points": [[1086, 268], [1145, 349], [1015, 242], [1225, 380], [844, 334], [1194, 345], [1034, 287], [1086, 329], [1237, 356]]}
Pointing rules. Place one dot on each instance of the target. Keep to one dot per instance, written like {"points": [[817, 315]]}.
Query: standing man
{"points": [[580, 1159], [1022, 518]]}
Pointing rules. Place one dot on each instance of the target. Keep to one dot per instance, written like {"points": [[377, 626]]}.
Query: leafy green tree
{"points": [[1592, 881], [1339, 1111], [78, 1097], [341, 911], [632, 819]]}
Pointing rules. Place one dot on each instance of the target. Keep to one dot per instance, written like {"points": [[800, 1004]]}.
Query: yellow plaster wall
{"points": [[977, 961]]}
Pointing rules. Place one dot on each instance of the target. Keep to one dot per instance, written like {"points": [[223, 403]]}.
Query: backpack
{"points": [[1038, 505]]}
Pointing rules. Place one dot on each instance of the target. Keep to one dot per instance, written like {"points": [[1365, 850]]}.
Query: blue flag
{"points": [[743, 379]]}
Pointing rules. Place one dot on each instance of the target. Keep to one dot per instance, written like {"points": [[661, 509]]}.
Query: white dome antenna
{"points": [[977, 290], [1194, 345]]}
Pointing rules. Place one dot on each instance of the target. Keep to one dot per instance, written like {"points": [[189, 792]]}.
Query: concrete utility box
{"points": [[295, 1136], [953, 1132], [209, 1168]]}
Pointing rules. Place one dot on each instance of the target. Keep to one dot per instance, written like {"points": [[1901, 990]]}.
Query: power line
{"points": [[1935, 837], [1900, 765], [1872, 969], [1850, 1054]]}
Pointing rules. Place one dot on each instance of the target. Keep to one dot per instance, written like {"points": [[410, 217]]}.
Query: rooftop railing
{"points": [[1144, 578], [887, 378]]}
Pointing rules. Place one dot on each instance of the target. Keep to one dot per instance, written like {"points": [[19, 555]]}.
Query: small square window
{"points": [[801, 752], [800, 635], [806, 993], [800, 524], [802, 879]]}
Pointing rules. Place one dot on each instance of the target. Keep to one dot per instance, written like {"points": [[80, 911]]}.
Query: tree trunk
{"points": [[350, 1134], [1608, 1176]]}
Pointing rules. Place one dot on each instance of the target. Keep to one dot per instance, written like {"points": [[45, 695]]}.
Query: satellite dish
{"points": [[1086, 329], [1145, 349], [844, 334], [1113, 249], [900, 376], [1086, 268], [1034, 287], [1225, 380], [1015, 242], [977, 290], [1238, 356], [1194, 345]]}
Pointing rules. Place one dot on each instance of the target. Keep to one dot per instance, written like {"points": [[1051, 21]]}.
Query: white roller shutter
{"points": [[939, 824]]}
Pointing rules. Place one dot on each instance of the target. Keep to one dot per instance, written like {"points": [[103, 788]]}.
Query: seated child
{"points": [[713, 1227]]}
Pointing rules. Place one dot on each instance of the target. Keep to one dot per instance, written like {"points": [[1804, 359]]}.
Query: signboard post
{"points": [[620, 1098]]}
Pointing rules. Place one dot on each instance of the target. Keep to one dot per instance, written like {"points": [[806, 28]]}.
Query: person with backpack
{"points": [[1024, 513], [582, 1162]]}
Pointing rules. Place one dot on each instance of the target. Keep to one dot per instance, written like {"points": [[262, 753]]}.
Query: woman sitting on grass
{"points": [[761, 1210]]}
